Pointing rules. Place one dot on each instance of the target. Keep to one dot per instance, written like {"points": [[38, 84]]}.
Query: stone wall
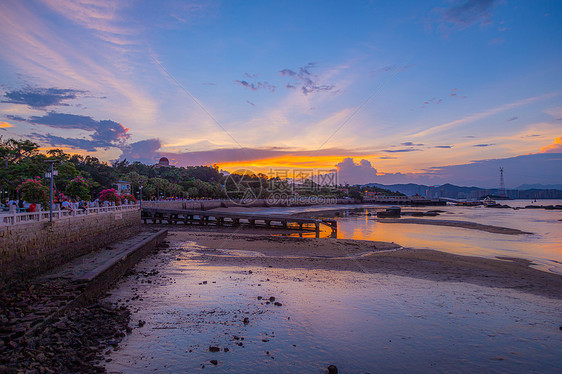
{"points": [[28, 249]]}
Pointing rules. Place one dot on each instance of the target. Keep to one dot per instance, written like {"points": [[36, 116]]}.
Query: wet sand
{"points": [[460, 224], [370, 257]]}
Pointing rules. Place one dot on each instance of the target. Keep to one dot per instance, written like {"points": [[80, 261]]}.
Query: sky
{"points": [[383, 91]]}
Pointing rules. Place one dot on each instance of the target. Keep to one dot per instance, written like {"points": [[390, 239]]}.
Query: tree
{"points": [[33, 191], [78, 188], [110, 195]]}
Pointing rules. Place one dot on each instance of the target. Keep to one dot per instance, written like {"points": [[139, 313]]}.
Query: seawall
{"points": [[30, 248]]}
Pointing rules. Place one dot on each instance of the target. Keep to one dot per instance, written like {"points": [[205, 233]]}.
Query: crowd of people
{"points": [[20, 206]]}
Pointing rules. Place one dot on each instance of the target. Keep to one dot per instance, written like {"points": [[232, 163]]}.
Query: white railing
{"points": [[10, 218]]}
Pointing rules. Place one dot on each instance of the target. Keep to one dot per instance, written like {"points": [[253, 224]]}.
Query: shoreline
{"points": [[245, 249]]}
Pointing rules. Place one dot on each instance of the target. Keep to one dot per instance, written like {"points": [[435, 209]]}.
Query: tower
{"points": [[502, 192]]}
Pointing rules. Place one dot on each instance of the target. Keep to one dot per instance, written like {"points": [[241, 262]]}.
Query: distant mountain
{"points": [[537, 186], [457, 192]]}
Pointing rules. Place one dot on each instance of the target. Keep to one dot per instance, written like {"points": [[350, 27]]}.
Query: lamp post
{"points": [[51, 175], [140, 197]]}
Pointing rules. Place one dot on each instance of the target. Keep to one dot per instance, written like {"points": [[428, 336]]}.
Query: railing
{"points": [[9, 218]]}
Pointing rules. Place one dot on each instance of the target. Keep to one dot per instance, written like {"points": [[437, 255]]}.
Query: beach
{"points": [[385, 302]]}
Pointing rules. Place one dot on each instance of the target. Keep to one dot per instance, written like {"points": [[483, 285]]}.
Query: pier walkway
{"points": [[203, 218]]}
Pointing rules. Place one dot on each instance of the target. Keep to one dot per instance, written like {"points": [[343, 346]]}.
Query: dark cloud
{"points": [[400, 150], [482, 145], [512, 119], [443, 146], [57, 141], [145, 151], [256, 86], [39, 98], [105, 133], [249, 102], [305, 80], [410, 144], [469, 12]]}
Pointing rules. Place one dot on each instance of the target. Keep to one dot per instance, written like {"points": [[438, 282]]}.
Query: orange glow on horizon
{"points": [[4, 125]]}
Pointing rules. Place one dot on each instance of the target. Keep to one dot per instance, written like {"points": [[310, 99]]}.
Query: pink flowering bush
{"points": [[110, 195], [78, 188], [127, 196], [33, 191]]}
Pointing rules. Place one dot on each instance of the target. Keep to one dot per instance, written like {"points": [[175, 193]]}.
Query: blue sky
{"points": [[413, 88]]}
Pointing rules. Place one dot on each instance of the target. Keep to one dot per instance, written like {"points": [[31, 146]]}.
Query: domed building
{"points": [[163, 162]]}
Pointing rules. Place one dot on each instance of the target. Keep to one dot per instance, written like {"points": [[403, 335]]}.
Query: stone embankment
{"points": [[52, 323], [33, 247]]}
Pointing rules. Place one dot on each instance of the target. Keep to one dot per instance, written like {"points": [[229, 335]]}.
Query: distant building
{"points": [[123, 187], [163, 162]]}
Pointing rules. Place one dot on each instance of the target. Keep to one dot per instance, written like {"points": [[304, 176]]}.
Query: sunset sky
{"points": [[388, 91]]}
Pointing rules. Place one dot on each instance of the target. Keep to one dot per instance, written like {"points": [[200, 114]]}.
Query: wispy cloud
{"points": [[443, 146], [478, 116], [256, 86], [555, 147], [483, 145], [468, 12]]}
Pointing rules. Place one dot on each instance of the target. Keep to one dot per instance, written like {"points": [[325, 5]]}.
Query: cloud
{"points": [[39, 98], [478, 116], [410, 144], [469, 12], [351, 173], [400, 150], [443, 146], [482, 145], [105, 133], [145, 151], [512, 119], [485, 173], [4, 125], [57, 141], [256, 86], [249, 102], [555, 147], [305, 80]]}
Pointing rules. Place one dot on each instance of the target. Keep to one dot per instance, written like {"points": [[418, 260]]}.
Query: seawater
{"points": [[543, 246], [360, 322]]}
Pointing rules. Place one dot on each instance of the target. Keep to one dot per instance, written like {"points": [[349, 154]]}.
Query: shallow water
{"points": [[359, 322], [543, 247]]}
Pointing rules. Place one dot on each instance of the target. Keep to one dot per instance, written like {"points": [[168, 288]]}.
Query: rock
{"points": [[141, 323], [214, 349], [272, 298], [250, 272], [214, 362], [246, 320], [277, 303], [226, 349], [259, 298], [332, 369], [204, 282]]}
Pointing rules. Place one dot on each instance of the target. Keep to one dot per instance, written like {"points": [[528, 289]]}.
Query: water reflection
{"points": [[544, 247], [358, 322]]}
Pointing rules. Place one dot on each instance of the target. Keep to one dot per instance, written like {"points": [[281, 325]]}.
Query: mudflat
{"points": [[371, 257]]}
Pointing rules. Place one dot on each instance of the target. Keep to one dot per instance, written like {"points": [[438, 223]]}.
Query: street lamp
{"points": [[51, 176], [140, 189]]}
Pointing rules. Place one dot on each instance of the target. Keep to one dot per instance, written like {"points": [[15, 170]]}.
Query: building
{"points": [[163, 163], [123, 187]]}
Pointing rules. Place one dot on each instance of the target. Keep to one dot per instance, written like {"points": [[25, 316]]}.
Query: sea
{"points": [[359, 322]]}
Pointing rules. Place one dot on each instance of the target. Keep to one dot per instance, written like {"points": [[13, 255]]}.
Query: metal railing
{"points": [[12, 218]]}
